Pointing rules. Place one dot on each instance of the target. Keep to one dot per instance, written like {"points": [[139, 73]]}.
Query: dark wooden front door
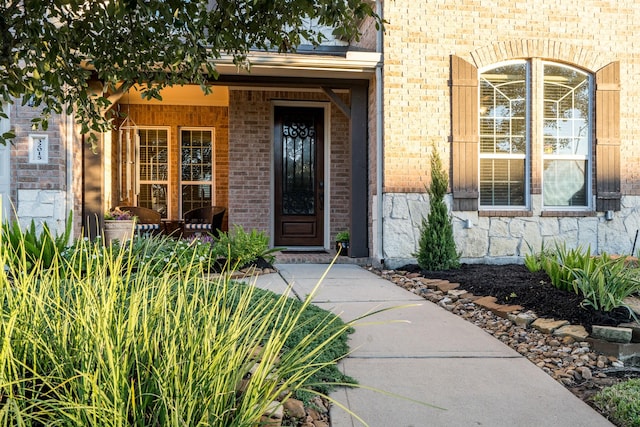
{"points": [[299, 176]]}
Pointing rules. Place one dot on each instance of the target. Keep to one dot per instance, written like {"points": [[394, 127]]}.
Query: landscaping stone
{"points": [[577, 332], [524, 319], [499, 309], [294, 408], [547, 326], [612, 334], [445, 286], [635, 328]]}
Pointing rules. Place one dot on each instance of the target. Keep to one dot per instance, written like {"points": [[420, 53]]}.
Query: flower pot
{"points": [[342, 248], [121, 230]]}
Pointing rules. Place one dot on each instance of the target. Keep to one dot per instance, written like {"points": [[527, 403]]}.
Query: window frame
{"points": [[137, 177], [590, 143], [528, 145], [212, 130]]}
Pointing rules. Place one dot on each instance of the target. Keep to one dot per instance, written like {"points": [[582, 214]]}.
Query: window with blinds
{"points": [[153, 170], [196, 179], [504, 136]]}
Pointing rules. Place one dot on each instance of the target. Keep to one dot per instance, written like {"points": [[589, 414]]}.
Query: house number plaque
{"points": [[38, 149]]}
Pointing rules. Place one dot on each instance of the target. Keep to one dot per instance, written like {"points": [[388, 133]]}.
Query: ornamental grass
{"points": [[120, 342]]}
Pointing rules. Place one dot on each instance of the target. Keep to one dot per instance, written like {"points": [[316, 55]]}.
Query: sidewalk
{"points": [[435, 358]]}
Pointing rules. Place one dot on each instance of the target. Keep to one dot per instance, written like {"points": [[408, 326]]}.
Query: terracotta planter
{"points": [[121, 230]]}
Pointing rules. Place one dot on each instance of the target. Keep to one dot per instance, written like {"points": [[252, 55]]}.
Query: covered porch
{"points": [[284, 150]]}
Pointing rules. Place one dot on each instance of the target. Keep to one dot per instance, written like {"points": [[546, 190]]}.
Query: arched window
{"points": [[527, 127]]}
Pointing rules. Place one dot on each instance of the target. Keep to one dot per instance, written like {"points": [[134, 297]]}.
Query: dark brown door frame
{"points": [[312, 236]]}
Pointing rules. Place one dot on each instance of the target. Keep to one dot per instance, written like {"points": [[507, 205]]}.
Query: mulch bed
{"points": [[515, 284]]}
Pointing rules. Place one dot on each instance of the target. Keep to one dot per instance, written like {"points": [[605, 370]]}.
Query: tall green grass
{"points": [[118, 343]]}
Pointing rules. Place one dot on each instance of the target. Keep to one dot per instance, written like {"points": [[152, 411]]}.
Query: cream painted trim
{"points": [[326, 106], [359, 65], [136, 169]]}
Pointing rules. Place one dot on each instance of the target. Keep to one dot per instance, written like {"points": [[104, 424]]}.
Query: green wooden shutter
{"points": [[608, 138], [464, 133]]}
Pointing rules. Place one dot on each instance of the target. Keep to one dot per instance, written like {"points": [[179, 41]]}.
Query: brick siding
{"points": [[250, 158], [176, 117], [421, 36]]}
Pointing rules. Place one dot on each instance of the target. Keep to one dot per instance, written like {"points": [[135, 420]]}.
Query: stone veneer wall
{"points": [[419, 39], [507, 239]]}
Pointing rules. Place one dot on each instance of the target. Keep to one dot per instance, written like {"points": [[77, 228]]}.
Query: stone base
{"points": [[629, 354]]}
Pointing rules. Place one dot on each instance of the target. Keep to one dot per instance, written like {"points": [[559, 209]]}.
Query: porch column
{"points": [[359, 172]]}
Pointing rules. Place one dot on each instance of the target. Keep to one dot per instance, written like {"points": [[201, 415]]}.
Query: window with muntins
{"points": [[503, 136], [153, 170], [552, 102], [196, 178], [567, 137]]}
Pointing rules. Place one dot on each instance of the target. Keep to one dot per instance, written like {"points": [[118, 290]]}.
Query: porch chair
{"points": [[148, 220], [203, 220]]}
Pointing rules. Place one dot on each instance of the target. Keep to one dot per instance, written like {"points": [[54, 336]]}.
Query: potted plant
{"points": [[342, 243], [118, 225]]}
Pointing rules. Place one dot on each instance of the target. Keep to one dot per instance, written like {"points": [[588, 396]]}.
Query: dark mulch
{"points": [[515, 284]]}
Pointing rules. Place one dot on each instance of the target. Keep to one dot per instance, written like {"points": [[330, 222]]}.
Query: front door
{"points": [[299, 176]]}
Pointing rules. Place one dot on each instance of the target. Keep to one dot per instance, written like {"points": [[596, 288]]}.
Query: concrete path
{"points": [[430, 356]]}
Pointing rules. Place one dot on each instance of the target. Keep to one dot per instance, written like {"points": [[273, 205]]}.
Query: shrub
{"points": [[436, 247], [29, 247], [112, 344], [621, 402], [242, 248]]}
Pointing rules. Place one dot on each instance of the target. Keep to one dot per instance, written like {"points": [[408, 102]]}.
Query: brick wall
{"points": [[250, 158], [50, 176], [421, 36], [177, 116]]}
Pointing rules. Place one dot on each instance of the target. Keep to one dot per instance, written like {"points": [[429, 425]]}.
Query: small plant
{"points": [[241, 248], [605, 282], [621, 402], [342, 236], [437, 247], [561, 263], [117, 214]]}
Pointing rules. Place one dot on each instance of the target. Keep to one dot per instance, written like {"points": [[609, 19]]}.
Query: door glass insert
{"points": [[299, 168]]}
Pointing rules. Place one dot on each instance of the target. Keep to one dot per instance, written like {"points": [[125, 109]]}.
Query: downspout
{"points": [[379, 141]]}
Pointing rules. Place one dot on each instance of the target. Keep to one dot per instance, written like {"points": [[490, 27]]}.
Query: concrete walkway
{"points": [[429, 355]]}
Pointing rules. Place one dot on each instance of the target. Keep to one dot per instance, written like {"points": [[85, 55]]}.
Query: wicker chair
{"points": [[203, 220], [148, 220]]}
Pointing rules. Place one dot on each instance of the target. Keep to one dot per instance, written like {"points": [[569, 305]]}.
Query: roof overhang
{"points": [[351, 65]]}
